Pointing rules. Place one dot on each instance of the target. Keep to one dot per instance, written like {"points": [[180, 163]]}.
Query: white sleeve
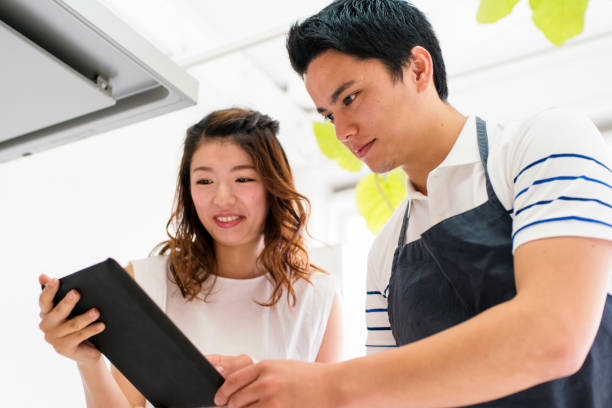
{"points": [[325, 288], [150, 274], [561, 177], [379, 337]]}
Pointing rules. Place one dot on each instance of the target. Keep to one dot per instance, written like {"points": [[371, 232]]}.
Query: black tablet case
{"points": [[140, 340]]}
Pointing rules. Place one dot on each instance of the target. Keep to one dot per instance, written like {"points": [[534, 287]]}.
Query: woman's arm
{"points": [[331, 345], [70, 338]]}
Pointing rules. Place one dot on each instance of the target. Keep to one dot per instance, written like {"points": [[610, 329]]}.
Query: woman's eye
{"points": [[243, 179], [329, 117], [204, 181]]}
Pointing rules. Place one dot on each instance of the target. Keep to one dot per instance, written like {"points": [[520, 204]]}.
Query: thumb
{"points": [[43, 279]]}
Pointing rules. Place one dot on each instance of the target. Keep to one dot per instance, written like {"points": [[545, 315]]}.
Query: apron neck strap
{"points": [[483, 148]]}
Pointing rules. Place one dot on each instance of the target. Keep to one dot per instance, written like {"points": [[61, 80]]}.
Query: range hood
{"points": [[71, 69]]}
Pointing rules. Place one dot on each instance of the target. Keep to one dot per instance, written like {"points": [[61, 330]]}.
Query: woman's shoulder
{"points": [[321, 283], [155, 261], [150, 274]]}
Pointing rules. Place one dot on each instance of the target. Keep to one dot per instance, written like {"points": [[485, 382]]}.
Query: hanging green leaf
{"points": [[377, 196], [333, 149], [559, 20], [492, 10]]}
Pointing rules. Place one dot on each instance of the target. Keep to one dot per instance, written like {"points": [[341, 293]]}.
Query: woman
{"points": [[235, 277]]}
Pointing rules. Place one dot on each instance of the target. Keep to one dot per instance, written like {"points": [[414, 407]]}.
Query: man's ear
{"points": [[420, 68]]}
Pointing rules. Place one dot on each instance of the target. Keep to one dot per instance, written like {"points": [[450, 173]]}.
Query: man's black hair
{"points": [[383, 29]]}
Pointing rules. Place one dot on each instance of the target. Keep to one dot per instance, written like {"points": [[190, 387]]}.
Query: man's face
{"points": [[375, 116]]}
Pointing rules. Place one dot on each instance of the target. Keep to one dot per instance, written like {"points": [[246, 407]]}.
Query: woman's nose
{"points": [[224, 196]]}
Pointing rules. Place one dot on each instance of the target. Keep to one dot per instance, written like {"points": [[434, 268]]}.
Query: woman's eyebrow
{"points": [[235, 168], [243, 167]]}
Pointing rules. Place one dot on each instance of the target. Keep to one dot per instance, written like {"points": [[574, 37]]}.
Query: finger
{"points": [[75, 324], [235, 382], [71, 341], [230, 364], [246, 397], [45, 299], [44, 279], [214, 359], [60, 312]]}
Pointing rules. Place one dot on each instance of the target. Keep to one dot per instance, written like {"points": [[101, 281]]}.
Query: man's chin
{"points": [[380, 168]]}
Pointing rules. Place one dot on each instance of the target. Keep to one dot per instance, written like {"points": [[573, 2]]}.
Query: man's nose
{"points": [[345, 129]]}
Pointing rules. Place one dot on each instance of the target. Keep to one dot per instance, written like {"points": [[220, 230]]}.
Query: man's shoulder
{"points": [[544, 123], [549, 131]]}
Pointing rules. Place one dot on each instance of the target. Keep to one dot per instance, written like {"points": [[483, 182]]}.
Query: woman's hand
{"points": [[68, 337]]}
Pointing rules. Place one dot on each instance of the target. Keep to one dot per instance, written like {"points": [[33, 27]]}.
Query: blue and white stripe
{"points": [[565, 189], [380, 336]]}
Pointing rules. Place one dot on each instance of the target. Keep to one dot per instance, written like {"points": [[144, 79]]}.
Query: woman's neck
{"points": [[239, 262]]}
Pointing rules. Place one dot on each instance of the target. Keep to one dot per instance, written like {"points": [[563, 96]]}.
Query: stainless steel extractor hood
{"points": [[71, 69]]}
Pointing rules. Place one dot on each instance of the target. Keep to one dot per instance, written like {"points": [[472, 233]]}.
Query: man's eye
{"points": [[329, 117], [204, 181], [349, 99]]}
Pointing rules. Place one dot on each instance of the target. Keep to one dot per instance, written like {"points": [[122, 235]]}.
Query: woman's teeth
{"points": [[228, 219]]}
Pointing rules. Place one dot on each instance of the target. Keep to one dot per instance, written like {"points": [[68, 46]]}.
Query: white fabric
{"points": [[231, 323], [520, 149]]}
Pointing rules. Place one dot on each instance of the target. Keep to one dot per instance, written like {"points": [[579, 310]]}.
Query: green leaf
{"points": [[377, 196], [332, 148], [559, 20], [492, 10]]}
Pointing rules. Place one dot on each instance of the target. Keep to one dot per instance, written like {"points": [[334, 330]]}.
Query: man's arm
{"points": [[543, 333]]}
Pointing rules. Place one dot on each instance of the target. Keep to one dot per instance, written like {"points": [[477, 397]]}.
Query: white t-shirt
{"points": [[232, 323], [551, 172]]}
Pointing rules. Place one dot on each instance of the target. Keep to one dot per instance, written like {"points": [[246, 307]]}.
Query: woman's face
{"points": [[228, 193]]}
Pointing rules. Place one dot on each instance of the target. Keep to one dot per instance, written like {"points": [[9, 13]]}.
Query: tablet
{"points": [[140, 340]]}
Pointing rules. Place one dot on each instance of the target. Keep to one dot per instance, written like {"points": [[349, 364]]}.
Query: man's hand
{"points": [[227, 365], [280, 383]]}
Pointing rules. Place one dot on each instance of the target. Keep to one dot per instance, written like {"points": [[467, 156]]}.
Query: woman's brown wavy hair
{"points": [[191, 250]]}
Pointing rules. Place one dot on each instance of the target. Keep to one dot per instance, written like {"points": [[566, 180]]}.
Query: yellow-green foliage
{"points": [[492, 10], [559, 20], [378, 196], [333, 149]]}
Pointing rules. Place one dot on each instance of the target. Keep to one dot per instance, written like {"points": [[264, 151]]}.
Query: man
{"points": [[493, 272]]}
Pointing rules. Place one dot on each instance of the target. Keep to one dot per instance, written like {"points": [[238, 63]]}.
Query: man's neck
{"points": [[442, 130]]}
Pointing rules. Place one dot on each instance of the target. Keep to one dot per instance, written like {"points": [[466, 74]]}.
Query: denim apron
{"points": [[463, 266]]}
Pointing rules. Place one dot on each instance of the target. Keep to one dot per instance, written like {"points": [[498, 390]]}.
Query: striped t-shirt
{"points": [[551, 172]]}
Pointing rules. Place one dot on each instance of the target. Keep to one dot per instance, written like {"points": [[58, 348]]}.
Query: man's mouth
{"points": [[363, 150]]}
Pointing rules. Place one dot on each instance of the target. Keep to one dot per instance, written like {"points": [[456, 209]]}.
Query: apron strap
{"points": [[402, 235], [483, 147]]}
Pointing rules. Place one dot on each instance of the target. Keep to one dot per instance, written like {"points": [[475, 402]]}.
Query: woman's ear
{"points": [[420, 68]]}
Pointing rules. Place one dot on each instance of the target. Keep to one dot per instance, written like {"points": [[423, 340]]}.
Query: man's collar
{"points": [[464, 151]]}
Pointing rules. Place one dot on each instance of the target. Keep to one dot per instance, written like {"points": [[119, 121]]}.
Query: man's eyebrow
{"points": [[339, 90], [336, 94]]}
